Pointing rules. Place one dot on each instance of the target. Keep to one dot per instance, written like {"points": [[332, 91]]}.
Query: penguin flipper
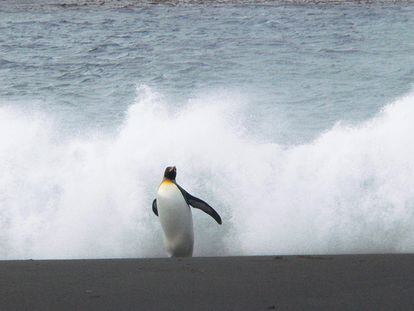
{"points": [[200, 204], [154, 207]]}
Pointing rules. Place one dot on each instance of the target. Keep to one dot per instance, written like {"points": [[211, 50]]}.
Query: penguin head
{"points": [[170, 172]]}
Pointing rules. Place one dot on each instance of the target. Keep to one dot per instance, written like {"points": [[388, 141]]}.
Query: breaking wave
{"points": [[351, 190]]}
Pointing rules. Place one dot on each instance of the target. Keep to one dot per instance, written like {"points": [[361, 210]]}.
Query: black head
{"points": [[170, 172]]}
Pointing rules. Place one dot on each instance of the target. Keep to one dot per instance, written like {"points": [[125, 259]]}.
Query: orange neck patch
{"points": [[167, 182]]}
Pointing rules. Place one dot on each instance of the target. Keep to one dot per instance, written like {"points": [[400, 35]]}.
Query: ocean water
{"points": [[295, 121]]}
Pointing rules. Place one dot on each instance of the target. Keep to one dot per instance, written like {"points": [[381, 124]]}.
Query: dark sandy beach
{"points": [[354, 282]]}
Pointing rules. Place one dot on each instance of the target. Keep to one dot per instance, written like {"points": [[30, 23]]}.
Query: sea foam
{"points": [[89, 196]]}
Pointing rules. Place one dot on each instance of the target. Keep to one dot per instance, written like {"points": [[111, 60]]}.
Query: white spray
{"points": [[349, 191]]}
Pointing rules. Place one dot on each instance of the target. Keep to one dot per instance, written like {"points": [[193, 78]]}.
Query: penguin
{"points": [[172, 205]]}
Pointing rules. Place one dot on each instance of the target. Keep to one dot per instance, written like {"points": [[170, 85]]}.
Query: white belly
{"points": [[176, 220]]}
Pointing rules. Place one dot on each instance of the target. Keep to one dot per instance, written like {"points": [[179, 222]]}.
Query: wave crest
{"points": [[348, 191]]}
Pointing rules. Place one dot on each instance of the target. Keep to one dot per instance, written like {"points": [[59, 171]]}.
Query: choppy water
{"points": [[294, 121]]}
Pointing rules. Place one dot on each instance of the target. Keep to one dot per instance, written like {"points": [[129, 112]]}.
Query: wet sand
{"points": [[349, 282]]}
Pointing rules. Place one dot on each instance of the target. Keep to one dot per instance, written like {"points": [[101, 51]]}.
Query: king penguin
{"points": [[172, 205]]}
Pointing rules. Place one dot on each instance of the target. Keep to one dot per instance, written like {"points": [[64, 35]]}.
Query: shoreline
{"points": [[337, 282]]}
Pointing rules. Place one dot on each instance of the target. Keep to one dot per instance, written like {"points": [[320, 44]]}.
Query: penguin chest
{"points": [[176, 220]]}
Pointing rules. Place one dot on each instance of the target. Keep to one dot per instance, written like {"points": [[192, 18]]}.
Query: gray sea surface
{"points": [[303, 67]]}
